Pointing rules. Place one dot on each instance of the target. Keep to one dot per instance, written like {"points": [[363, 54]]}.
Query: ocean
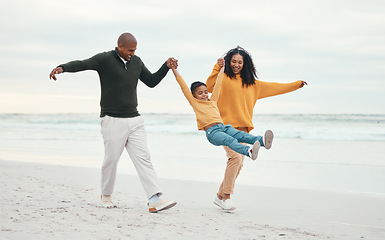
{"points": [[333, 152]]}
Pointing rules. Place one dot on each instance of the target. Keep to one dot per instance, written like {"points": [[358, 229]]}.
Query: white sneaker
{"points": [[227, 205], [107, 201], [253, 151], [160, 206], [268, 139], [218, 202]]}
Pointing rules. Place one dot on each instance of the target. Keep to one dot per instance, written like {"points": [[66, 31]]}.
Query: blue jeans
{"points": [[221, 135]]}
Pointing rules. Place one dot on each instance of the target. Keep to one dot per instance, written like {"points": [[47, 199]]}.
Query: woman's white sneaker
{"points": [[226, 205]]}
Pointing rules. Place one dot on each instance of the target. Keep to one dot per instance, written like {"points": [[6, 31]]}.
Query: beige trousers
{"points": [[234, 165], [127, 133]]}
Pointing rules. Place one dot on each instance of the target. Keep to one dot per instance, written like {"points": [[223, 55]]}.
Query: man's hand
{"points": [[57, 70], [172, 63]]}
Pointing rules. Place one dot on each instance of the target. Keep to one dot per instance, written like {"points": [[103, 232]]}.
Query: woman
{"points": [[240, 91]]}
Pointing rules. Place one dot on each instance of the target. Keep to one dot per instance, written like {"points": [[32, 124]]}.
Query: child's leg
{"points": [[218, 137], [243, 136], [268, 139]]}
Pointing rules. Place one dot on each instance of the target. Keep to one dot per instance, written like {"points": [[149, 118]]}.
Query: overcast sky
{"points": [[337, 46]]}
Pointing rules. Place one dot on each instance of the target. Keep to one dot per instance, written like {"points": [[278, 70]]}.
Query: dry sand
{"points": [[60, 202]]}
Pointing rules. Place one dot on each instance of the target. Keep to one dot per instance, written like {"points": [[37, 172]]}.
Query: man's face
{"points": [[126, 52]]}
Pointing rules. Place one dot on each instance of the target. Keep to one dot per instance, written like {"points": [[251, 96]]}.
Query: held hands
{"points": [[57, 70], [172, 63], [221, 62], [302, 84]]}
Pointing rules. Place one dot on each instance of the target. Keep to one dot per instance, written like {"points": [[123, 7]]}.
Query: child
{"points": [[209, 119]]}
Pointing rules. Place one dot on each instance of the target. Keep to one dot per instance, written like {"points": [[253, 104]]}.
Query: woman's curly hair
{"points": [[248, 72]]}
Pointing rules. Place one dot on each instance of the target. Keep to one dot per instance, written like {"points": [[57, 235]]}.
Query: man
{"points": [[122, 126]]}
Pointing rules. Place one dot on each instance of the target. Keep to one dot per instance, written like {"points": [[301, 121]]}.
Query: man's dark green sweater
{"points": [[118, 81]]}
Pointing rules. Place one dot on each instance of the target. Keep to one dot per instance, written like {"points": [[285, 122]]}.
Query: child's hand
{"points": [[221, 62], [172, 63]]}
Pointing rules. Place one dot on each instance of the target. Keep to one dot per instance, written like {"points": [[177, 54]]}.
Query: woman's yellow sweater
{"points": [[236, 103]]}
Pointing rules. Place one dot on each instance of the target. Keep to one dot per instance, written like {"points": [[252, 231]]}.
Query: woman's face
{"points": [[236, 63]]}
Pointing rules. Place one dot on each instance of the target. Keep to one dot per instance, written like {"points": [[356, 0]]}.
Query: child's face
{"points": [[201, 93]]}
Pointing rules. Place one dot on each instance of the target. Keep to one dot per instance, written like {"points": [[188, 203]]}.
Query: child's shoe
{"points": [[253, 151], [268, 139]]}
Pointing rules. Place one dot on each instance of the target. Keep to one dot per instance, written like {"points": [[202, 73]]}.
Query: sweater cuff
{"points": [[165, 66], [216, 67], [61, 67]]}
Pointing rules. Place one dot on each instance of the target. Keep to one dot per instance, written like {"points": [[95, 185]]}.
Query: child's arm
{"points": [[210, 82], [185, 89], [176, 73], [218, 84]]}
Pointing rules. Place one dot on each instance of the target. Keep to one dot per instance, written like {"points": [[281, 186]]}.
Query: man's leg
{"points": [[137, 149], [114, 134]]}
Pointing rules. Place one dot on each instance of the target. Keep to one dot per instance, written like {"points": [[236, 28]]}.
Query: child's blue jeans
{"points": [[221, 135]]}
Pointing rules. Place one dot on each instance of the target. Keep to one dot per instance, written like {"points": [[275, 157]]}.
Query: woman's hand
{"points": [[221, 62], [302, 84]]}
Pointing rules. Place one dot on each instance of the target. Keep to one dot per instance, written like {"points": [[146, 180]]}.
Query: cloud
{"points": [[337, 47]]}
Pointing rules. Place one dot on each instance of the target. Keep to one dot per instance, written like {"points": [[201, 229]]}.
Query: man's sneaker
{"points": [[107, 201], [160, 206], [268, 139], [226, 205], [253, 151]]}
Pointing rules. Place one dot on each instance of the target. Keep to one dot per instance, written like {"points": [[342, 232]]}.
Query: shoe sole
{"points": [[219, 205], [164, 207], [268, 140], [256, 147], [108, 206]]}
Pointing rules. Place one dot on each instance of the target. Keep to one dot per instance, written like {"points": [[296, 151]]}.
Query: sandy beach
{"points": [[61, 202]]}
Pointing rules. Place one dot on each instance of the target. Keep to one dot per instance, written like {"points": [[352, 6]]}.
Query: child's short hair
{"points": [[196, 84]]}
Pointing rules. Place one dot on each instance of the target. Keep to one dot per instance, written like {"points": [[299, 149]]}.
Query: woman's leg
{"points": [[234, 165], [233, 168]]}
